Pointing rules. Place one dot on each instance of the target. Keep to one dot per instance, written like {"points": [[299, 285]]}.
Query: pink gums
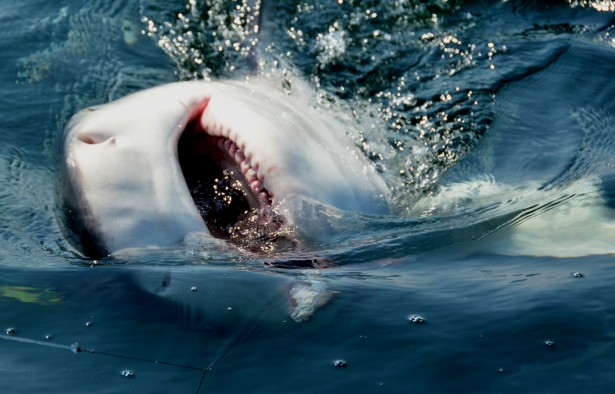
{"points": [[221, 138]]}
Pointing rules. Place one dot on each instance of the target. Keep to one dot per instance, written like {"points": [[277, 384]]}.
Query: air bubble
{"points": [[577, 275], [11, 331], [75, 348], [127, 373], [194, 289], [88, 324], [340, 363], [549, 343], [416, 319], [48, 337]]}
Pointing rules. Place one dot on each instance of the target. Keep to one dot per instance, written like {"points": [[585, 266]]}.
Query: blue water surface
{"points": [[491, 123]]}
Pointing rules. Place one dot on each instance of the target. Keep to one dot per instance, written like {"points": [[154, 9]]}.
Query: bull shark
{"points": [[224, 160]]}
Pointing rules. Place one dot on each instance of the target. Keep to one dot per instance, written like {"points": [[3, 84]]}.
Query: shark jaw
{"points": [[226, 186], [225, 160]]}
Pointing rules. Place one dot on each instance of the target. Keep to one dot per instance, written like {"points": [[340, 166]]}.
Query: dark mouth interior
{"points": [[221, 194], [217, 188]]}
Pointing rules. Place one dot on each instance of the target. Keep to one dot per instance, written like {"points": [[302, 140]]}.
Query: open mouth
{"points": [[224, 183]]}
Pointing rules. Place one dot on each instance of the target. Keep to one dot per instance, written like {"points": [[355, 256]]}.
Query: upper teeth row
{"points": [[245, 164]]}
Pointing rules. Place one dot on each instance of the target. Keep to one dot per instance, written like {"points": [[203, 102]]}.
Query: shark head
{"points": [[202, 157]]}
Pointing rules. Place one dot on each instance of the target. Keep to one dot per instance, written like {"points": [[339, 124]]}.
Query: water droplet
{"points": [[549, 343], [194, 289], [11, 331], [577, 274], [340, 363], [416, 319], [75, 348], [127, 373]]}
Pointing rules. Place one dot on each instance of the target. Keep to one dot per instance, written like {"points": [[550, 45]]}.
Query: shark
{"points": [[233, 161]]}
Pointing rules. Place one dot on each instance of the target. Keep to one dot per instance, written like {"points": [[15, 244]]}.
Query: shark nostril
{"points": [[86, 139], [93, 139]]}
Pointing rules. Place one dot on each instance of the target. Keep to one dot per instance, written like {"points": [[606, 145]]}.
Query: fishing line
{"points": [[76, 348]]}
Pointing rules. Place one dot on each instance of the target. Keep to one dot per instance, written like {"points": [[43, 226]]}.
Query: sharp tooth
{"points": [[256, 186], [263, 198], [251, 175], [239, 156]]}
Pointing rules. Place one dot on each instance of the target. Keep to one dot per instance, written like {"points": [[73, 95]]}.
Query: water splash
{"points": [[206, 39], [599, 5]]}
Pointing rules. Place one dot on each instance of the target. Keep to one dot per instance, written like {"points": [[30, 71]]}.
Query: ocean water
{"points": [[492, 124]]}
